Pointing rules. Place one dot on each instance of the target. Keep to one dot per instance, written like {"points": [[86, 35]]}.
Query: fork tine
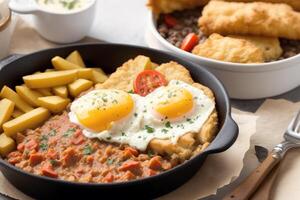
{"points": [[296, 123]]}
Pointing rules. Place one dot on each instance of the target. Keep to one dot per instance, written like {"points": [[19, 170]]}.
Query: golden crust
{"points": [[229, 49], [270, 46], [258, 18], [295, 4], [188, 144], [168, 6], [239, 49]]}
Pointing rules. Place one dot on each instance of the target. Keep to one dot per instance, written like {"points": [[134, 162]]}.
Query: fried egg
{"points": [[107, 114], [173, 111], [117, 116]]}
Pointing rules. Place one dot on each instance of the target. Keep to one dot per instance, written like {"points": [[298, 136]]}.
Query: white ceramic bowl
{"points": [[6, 28], [243, 81], [56, 26]]}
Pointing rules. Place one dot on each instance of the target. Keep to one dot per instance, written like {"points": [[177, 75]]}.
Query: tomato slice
{"points": [[170, 21], [189, 42], [147, 81]]}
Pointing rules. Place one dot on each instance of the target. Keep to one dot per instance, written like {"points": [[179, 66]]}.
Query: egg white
{"points": [[143, 124], [156, 126]]}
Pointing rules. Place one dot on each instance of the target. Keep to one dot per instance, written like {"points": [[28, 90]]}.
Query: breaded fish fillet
{"points": [[168, 6], [229, 49], [270, 46], [190, 143], [259, 19], [294, 3]]}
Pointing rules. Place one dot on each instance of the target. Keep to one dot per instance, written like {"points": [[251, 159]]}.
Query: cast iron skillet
{"points": [[108, 57]]}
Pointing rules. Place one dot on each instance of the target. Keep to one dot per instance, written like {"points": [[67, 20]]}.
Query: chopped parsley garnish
{"points": [[69, 132], [189, 120], [108, 138], [149, 129], [168, 125], [53, 162], [164, 130], [123, 134], [131, 92], [52, 133], [87, 150], [43, 146], [150, 153], [135, 114], [44, 138]]}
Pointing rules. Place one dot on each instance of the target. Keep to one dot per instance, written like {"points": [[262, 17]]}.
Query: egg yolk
{"points": [[175, 102], [111, 106]]}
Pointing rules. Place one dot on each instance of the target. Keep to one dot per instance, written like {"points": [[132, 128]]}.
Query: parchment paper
{"points": [[227, 165], [274, 117]]}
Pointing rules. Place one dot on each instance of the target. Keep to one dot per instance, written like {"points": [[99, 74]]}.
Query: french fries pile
{"points": [[43, 93]]}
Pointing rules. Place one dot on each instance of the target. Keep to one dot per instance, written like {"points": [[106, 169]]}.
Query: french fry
{"points": [[8, 93], [30, 96], [44, 91], [6, 110], [55, 104], [85, 73], [50, 79], [29, 120], [61, 91], [76, 59], [79, 86], [7, 145], [61, 64], [99, 76]]}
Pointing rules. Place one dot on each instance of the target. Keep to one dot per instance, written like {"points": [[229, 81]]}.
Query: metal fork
{"points": [[253, 181]]}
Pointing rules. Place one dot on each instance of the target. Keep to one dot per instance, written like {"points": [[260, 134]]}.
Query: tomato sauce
{"points": [[58, 149]]}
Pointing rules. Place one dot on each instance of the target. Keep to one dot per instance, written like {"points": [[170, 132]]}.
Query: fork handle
{"points": [[251, 183]]}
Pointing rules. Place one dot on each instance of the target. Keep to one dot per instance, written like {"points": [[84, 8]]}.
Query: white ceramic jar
{"points": [[59, 27]]}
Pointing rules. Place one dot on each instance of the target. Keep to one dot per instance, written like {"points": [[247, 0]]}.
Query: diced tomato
{"points": [[90, 159], [170, 21], [70, 157], [52, 154], [151, 172], [31, 145], [132, 151], [147, 81], [47, 170], [155, 163], [130, 165], [189, 42], [14, 157], [108, 178], [35, 159], [128, 176], [21, 147], [78, 140]]}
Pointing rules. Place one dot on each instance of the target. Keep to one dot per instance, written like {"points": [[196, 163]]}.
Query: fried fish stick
{"points": [[260, 19], [168, 6], [270, 46], [229, 49], [294, 3]]}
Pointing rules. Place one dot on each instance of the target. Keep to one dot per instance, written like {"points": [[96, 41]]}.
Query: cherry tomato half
{"points": [[147, 81], [189, 42]]}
